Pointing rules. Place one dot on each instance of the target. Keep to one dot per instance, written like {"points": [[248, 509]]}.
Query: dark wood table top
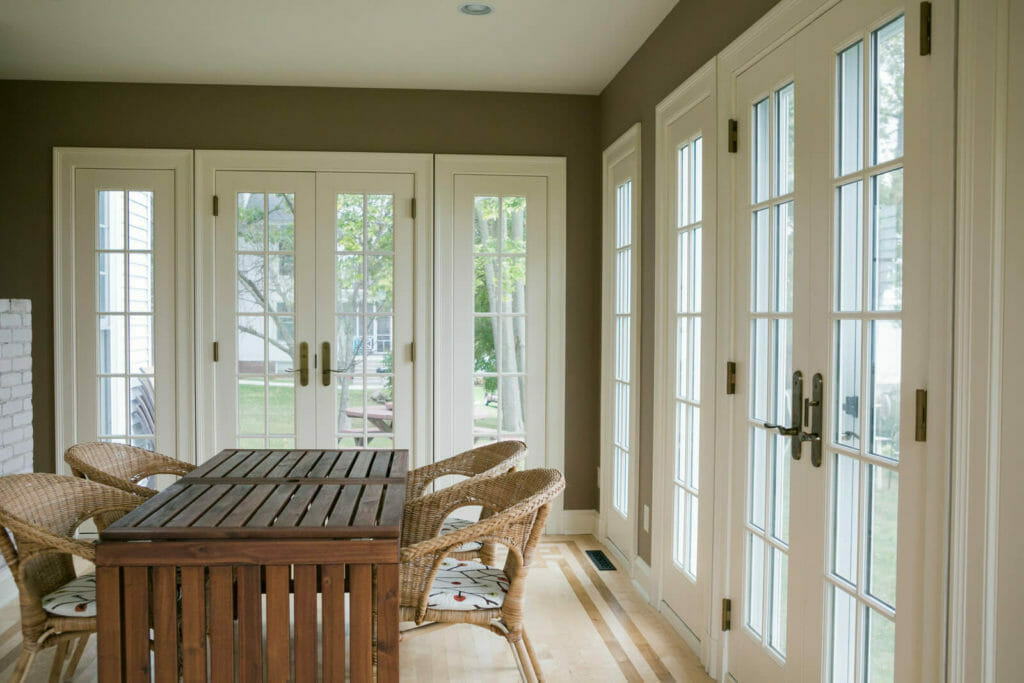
{"points": [[277, 494]]}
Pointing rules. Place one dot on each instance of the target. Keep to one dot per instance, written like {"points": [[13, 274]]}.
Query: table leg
{"points": [[108, 636], [387, 622]]}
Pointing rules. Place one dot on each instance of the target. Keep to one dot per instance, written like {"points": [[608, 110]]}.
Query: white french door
{"points": [[124, 319], [498, 326], [314, 280], [620, 342], [686, 348], [831, 273]]}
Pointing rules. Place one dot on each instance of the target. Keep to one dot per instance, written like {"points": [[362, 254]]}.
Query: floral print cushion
{"points": [[76, 598], [464, 586], [454, 524]]}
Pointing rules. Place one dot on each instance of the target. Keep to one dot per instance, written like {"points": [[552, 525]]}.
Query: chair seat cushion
{"points": [[76, 598], [465, 586], [454, 524]]}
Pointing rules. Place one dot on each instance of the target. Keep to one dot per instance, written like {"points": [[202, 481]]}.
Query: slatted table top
{"points": [[286, 494]]}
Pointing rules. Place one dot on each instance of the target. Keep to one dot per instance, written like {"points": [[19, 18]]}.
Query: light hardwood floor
{"points": [[586, 626]]}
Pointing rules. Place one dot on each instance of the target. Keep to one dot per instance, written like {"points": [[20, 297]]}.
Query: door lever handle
{"points": [[303, 368], [784, 431]]}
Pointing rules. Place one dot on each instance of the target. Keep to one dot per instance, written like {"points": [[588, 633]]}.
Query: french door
{"points": [[620, 342], [832, 327], [314, 280], [686, 345]]}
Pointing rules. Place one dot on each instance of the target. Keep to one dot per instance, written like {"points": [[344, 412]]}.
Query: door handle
{"points": [[813, 418], [325, 367], [796, 401], [303, 368]]}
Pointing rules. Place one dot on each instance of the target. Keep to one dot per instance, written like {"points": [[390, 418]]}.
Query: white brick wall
{"points": [[15, 386]]}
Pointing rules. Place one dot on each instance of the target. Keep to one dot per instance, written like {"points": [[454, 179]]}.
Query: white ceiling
{"points": [[564, 46]]}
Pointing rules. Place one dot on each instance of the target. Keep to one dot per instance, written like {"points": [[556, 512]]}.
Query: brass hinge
{"points": [[216, 352], [726, 614], [921, 416], [412, 352], [730, 377], [926, 28], [413, 207], [216, 205], [734, 136]]}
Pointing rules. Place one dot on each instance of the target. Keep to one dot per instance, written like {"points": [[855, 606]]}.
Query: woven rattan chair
{"points": [[38, 517], [483, 461], [122, 466], [438, 591]]}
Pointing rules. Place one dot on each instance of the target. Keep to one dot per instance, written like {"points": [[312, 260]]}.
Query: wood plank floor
{"points": [[586, 626]]}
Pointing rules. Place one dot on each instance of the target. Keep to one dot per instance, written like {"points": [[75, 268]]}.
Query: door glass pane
{"points": [[281, 229], [499, 317], [886, 343], [110, 219], [887, 67], [844, 636], [845, 513], [265, 321], [759, 353], [758, 471], [777, 605], [881, 638], [847, 392], [783, 343], [781, 460], [887, 241], [759, 261], [755, 584], [848, 246], [883, 507], [760, 147], [849, 120], [784, 140], [784, 257], [364, 296], [698, 181], [125, 344]]}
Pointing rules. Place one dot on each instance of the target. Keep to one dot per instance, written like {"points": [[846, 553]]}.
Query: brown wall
{"points": [[37, 116], [692, 33]]}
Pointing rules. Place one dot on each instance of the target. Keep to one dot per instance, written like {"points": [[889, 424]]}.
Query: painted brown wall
{"points": [[692, 33], [37, 116]]}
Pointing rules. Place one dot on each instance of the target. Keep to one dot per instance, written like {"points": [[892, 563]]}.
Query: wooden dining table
{"points": [[230, 565]]}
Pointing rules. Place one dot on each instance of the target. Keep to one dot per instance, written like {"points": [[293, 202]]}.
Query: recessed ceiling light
{"points": [[475, 9]]}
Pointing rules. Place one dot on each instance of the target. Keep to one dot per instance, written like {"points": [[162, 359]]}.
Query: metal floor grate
{"points": [[600, 560]]}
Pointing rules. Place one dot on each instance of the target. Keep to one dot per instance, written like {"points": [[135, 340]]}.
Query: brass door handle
{"points": [[303, 368], [325, 367], [784, 431]]}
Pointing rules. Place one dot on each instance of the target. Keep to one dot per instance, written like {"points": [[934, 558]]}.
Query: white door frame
{"points": [[627, 145], [66, 161], [207, 163], [696, 90], [447, 167]]}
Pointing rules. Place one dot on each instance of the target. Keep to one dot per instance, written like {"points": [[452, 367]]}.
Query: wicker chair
{"points": [[483, 461], [122, 466], [38, 517], [438, 591]]}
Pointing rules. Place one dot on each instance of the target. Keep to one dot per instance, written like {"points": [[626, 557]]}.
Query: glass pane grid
{"points": [[364, 382], [866, 356], [499, 318], [125, 343], [689, 268], [772, 241]]}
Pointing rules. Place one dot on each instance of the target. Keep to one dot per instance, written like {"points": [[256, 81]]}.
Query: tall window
{"points": [[689, 253], [623, 321], [771, 364], [125, 298], [867, 324], [499, 318]]}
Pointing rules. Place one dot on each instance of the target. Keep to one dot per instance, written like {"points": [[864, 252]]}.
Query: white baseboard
{"points": [[575, 522], [684, 631], [642, 578]]}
